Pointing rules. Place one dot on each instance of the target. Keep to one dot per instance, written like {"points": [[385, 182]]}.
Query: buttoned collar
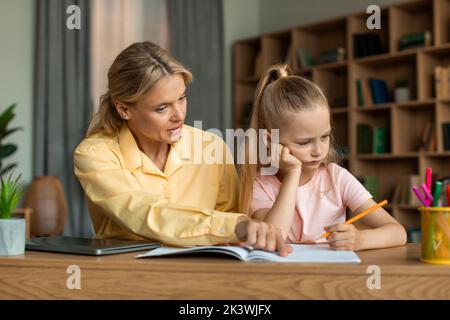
{"points": [[180, 153]]}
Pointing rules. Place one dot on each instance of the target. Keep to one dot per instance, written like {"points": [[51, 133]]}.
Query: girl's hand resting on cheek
{"points": [[285, 160], [344, 237]]}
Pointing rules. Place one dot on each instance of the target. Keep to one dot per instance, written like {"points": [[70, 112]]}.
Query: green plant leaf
{"points": [[6, 117], [6, 169], [8, 132], [7, 149], [10, 193]]}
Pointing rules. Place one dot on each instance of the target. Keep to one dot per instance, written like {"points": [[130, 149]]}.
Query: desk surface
{"points": [[39, 275]]}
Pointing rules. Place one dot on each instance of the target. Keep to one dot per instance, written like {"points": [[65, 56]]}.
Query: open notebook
{"points": [[301, 254]]}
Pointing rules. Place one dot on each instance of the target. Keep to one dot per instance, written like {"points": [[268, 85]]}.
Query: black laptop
{"points": [[85, 246]]}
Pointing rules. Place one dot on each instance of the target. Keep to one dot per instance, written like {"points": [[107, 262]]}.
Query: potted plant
{"points": [[12, 230], [402, 91]]}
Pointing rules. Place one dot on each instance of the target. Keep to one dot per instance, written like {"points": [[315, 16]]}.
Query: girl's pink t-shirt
{"points": [[321, 202]]}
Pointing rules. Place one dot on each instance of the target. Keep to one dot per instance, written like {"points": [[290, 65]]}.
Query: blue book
{"points": [[379, 89]]}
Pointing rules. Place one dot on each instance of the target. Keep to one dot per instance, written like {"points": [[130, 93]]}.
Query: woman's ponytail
{"points": [[106, 119]]}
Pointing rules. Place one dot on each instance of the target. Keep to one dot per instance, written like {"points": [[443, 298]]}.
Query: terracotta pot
{"points": [[46, 197]]}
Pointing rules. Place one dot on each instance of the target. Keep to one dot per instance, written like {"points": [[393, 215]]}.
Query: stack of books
{"points": [[414, 40], [371, 91], [371, 139], [332, 55], [366, 44]]}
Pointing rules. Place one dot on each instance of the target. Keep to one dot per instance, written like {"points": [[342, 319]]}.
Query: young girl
{"points": [[309, 194]]}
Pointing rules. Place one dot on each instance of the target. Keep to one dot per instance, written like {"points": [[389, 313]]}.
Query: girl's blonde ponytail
{"points": [[257, 122]]}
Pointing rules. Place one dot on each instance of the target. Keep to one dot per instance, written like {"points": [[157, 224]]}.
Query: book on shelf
{"points": [[364, 138], [359, 93], [428, 138], [415, 40], [379, 90], [371, 91], [403, 194], [442, 82], [379, 140], [371, 139], [305, 58], [332, 55], [371, 184], [367, 92], [446, 135], [302, 253], [366, 44]]}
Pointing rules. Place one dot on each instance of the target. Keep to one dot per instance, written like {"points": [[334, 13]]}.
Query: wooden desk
{"points": [[37, 275]]}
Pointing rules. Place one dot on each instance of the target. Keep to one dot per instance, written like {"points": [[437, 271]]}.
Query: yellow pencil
{"points": [[359, 216]]}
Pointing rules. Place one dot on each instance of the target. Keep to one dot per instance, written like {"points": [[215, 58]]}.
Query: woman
{"points": [[138, 171]]}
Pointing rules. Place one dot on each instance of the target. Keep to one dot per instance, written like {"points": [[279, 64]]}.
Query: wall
{"points": [[16, 72], [241, 20], [280, 14]]}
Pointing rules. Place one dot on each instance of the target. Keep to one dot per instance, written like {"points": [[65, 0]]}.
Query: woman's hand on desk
{"points": [[261, 235]]}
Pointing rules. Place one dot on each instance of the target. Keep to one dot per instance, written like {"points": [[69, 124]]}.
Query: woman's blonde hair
{"points": [[278, 94], [134, 71]]}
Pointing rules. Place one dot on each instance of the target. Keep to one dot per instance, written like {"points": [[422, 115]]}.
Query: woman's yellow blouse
{"points": [[130, 198]]}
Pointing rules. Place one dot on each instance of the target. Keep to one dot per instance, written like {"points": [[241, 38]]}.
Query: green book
{"points": [[379, 140], [359, 93], [364, 138], [305, 58], [415, 39]]}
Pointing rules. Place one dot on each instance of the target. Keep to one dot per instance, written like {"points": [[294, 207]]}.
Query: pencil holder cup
{"points": [[435, 225]]}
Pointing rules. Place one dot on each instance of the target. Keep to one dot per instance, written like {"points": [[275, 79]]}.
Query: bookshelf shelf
{"points": [[387, 58], [374, 108], [387, 156], [340, 110], [405, 122]]}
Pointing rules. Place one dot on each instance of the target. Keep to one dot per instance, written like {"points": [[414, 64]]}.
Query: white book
{"points": [[302, 253]]}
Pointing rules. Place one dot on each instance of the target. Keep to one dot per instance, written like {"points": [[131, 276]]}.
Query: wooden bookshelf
{"points": [[405, 122]]}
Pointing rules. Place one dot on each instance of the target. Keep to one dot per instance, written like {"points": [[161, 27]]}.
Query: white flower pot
{"points": [[402, 94], [12, 237]]}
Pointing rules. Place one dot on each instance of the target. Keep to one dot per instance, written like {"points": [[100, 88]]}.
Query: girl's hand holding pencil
{"points": [[344, 237]]}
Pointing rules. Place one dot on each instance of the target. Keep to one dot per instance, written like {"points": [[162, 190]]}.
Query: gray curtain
{"points": [[61, 109], [196, 28]]}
